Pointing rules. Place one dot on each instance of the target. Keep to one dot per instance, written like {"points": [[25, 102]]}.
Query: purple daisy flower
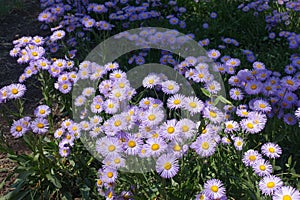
{"points": [[271, 150], [269, 184], [133, 145], [167, 165], [42, 111], [250, 157], [289, 119], [204, 146], [19, 128], [253, 87], [39, 125], [289, 82], [64, 86], [64, 152], [286, 192], [262, 167], [15, 91], [214, 189], [155, 146], [236, 94]]}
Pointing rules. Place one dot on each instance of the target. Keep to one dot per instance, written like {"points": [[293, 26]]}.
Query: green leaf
{"points": [[66, 196], [53, 180], [205, 92], [290, 161], [85, 192], [224, 100], [4, 180], [277, 168]]}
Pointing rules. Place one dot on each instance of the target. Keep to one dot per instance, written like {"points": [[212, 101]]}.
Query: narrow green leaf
{"points": [[224, 100], [205, 92], [85, 192], [53, 180]]}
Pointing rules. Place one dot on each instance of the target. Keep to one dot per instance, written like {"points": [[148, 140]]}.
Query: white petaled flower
{"points": [[151, 80], [170, 87], [153, 116], [269, 184], [193, 105], [271, 150], [286, 193]]}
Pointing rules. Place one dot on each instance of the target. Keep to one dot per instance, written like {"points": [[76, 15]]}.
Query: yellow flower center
{"points": [[270, 184], [214, 188], [151, 81], [177, 101], [110, 174], [155, 135], [131, 143], [42, 111], [193, 104], [117, 160], [40, 125], [18, 128], [118, 75], [177, 147], [97, 106], [229, 126], [250, 125], [110, 105], [111, 148], [68, 137], [34, 53], [205, 145], [121, 85], [262, 167], [268, 88], [239, 143], [15, 91], [290, 82], [147, 102], [170, 130], [117, 123], [185, 128], [170, 87], [262, 105], [212, 114], [245, 113], [65, 86], [253, 87], [151, 117], [271, 150], [167, 166], [155, 147], [99, 182], [286, 197], [252, 157], [59, 133]]}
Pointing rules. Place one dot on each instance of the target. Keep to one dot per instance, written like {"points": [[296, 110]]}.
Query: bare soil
{"points": [[17, 21]]}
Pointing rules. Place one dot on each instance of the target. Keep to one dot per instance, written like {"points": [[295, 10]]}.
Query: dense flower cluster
{"points": [[121, 121]]}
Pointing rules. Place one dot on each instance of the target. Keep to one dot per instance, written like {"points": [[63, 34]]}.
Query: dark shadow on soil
{"points": [[19, 19]]}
